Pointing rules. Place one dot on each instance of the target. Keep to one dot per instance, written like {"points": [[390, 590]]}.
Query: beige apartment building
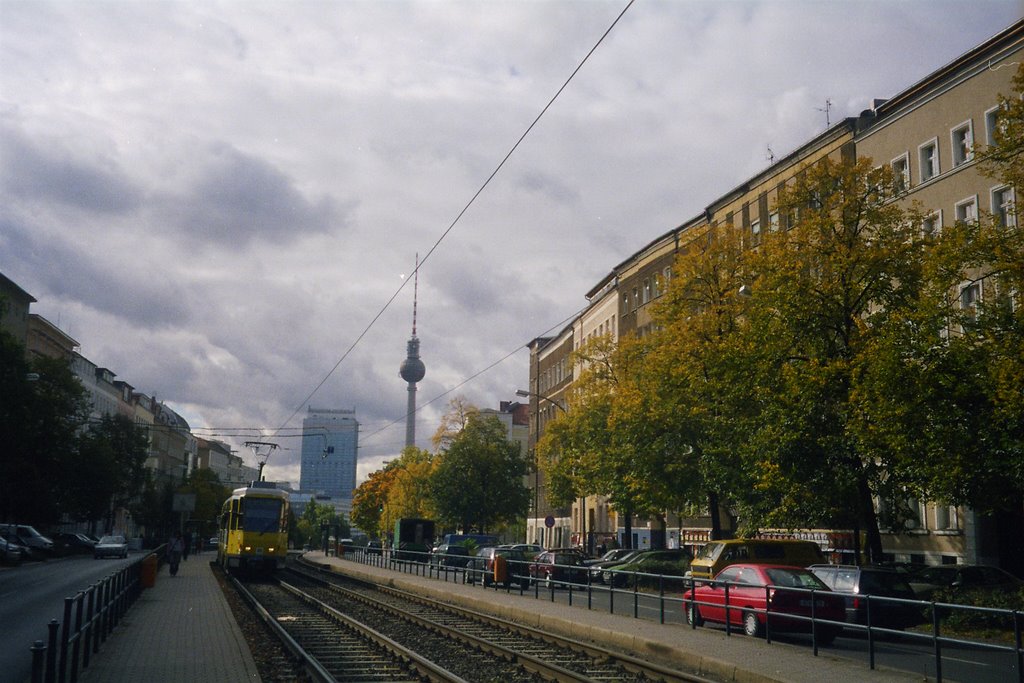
{"points": [[929, 133]]}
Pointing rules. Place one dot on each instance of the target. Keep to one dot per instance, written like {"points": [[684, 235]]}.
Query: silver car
{"points": [[111, 546]]}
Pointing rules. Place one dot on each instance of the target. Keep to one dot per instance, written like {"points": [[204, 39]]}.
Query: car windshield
{"points": [[793, 578], [709, 551], [112, 540], [935, 574]]}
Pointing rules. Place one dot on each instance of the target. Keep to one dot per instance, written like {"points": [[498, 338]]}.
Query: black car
{"points": [[450, 555], [68, 542], [374, 548], [483, 565], [962, 577], [668, 562], [882, 584]]}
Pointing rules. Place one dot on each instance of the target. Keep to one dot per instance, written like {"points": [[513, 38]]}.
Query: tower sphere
{"points": [[412, 370]]}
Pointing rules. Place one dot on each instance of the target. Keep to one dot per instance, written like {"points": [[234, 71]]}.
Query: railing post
{"points": [[936, 643], [661, 597], [38, 661], [76, 649], [51, 651], [814, 626], [1017, 641], [65, 636], [871, 633], [767, 620], [728, 618]]}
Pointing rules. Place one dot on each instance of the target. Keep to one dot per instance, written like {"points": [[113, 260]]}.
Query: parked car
{"points": [[27, 553], [111, 546], [961, 577], [482, 565], [70, 542], [374, 548], [23, 534], [450, 555], [856, 583], [608, 560], [212, 543], [11, 553], [553, 567], [613, 555], [717, 555], [761, 596], [531, 550], [673, 562]]}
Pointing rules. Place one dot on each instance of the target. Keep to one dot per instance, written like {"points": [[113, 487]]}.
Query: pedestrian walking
{"points": [[175, 547]]}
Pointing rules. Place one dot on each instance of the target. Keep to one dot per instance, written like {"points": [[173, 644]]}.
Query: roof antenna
{"points": [[415, 292], [770, 155], [827, 108]]}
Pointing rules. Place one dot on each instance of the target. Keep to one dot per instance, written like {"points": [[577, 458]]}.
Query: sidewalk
{"points": [[710, 652], [179, 631]]}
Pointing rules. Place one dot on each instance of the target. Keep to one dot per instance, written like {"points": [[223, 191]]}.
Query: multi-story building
{"points": [[330, 443], [45, 339], [929, 134], [14, 305]]}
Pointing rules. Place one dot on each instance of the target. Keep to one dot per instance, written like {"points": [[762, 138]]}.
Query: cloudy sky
{"points": [[218, 200]]}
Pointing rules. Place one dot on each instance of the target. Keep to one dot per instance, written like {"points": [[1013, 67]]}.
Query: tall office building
{"points": [[330, 442]]}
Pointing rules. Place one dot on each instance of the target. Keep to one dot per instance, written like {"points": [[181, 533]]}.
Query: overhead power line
{"points": [[458, 217]]}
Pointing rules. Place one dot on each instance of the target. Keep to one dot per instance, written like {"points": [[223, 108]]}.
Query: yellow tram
{"points": [[254, 529]]}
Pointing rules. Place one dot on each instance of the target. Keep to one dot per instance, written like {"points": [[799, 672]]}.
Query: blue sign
{"points": [[549, 521]]}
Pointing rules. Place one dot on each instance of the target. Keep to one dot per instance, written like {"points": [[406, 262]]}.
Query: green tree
{"points": [[826, 291], [42, 408], [107, 470], [210, 495], [477, 482]]}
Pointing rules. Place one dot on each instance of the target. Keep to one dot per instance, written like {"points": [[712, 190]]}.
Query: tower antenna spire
{"points": [[415, 292]]}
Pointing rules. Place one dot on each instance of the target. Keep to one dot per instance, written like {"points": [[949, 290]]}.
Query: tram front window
{"points": [[262, 515]]}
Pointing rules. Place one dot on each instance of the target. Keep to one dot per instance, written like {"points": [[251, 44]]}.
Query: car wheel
{"points": [[752, 626], [693, 617]]}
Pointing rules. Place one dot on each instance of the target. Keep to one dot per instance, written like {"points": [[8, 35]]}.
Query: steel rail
{"points": [[529, 661], [426, 669]]}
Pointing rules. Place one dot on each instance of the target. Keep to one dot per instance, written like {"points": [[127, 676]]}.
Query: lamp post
{"points": [[536, 469]]}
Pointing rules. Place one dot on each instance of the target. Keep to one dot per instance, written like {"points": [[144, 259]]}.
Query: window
{"points": [[901, 173], [636, 298], [945, 517], [932, 225], [625, 302], [647, 291], [666, 275], [929, 156], [773, 221], [962, 138], [993, 122], [755, 228], [967, 210], [1003, 206], [970, 295]]}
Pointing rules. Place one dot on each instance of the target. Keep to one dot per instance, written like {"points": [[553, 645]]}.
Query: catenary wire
{"points": [[458, 217]]}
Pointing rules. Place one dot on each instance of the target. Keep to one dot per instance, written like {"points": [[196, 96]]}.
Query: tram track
{"points": [[530, 651]]}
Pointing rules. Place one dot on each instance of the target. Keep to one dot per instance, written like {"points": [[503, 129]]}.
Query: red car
{"points": [[764, 593], [555, 567]]}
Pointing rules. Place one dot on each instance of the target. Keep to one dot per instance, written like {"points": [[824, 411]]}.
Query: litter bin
{"points": [[500, 569], [149, 567]]}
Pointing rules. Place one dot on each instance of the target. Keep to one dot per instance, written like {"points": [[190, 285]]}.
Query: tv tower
{"points": [[412, 369]]}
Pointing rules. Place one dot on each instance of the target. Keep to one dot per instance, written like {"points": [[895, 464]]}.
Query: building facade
{"points": [[929, 134], [330, 444]]}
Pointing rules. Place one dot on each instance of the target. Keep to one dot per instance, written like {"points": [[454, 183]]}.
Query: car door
{"points": [[712, 596]]}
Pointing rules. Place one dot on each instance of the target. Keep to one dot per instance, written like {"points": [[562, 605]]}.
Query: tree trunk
{"points": [[627, 536], [867, 509], [716, 517]]}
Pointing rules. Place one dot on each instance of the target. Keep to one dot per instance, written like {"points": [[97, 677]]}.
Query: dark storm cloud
{"points": [[36, 172], [238, 198]]}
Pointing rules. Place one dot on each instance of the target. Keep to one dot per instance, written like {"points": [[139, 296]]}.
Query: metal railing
{"points": [[89, 617], [675, 592]]}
